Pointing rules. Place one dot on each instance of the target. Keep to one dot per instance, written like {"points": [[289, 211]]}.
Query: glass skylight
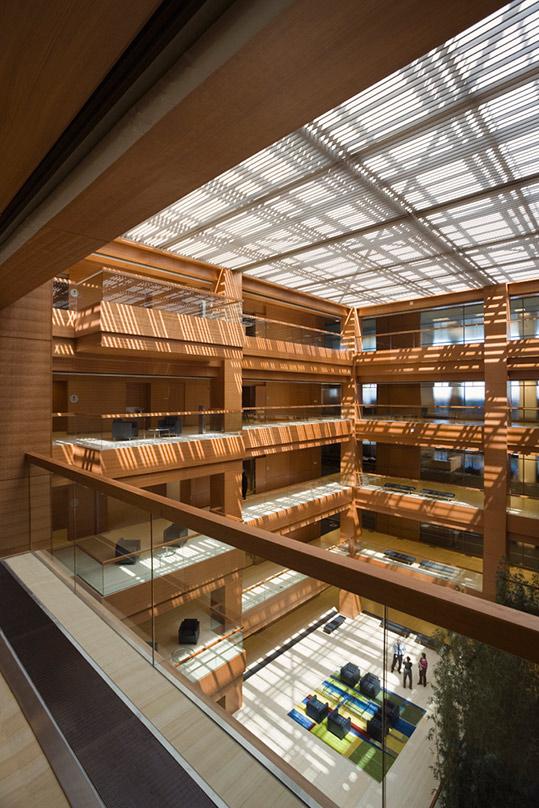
{"points": [[426, 182]]}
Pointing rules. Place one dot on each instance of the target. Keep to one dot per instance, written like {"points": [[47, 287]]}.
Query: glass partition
{"points": [[439, 402], [431, 552], [258, 416], [523, 473], [327, 681], [524, 402], [262, 327], [452, 468], [450, 325], [460, 693], [112, 286]]}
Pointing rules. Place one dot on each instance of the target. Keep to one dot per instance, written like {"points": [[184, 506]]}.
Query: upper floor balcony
{"points": [[127, 443], [446, 339], [275, 345], [276, 426], [450, 412], [110, 311], [123, 444], [299, 504]]}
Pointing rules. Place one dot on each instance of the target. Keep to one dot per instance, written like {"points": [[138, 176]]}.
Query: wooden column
{"points": [[350, 464], [349, 604], [225, 491], [25, 402], [351, 332], [495, 435]]}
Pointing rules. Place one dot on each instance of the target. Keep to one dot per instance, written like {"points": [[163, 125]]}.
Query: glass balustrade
{"points": [[523, 474], [265, 328], [354, 699], [275, 416], [140, 291], [440, 402]]}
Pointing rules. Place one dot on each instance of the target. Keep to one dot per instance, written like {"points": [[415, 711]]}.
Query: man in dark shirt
{"points": [[407, 671]]}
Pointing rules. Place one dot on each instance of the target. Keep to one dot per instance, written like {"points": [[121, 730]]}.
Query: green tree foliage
{"points": [[486, 718]]}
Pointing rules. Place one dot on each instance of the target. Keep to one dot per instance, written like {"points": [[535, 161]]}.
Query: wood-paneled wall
{"points": [[279, 470], [25, 401]]}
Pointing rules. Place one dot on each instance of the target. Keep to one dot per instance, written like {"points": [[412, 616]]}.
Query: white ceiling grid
{"points": [[427, 182]]}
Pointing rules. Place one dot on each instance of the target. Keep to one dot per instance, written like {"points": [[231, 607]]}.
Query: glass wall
{"points": [[429, 473], [458, 402], [524, 401], [452, 325], [523, 473], [265, 328], [448, 325], [524, 317]]}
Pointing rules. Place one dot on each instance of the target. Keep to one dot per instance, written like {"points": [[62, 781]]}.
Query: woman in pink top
{"points": [[423, 665]]}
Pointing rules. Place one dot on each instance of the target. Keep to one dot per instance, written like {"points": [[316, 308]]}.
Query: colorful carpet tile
{"points": [[357, 745]]}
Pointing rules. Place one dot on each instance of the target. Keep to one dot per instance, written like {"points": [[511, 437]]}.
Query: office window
{"points": [[513, 467], [370, 392], [368, 334], [524, 317]]}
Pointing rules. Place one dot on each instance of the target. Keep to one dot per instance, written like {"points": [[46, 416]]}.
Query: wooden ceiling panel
{"points": [[52, 57]]}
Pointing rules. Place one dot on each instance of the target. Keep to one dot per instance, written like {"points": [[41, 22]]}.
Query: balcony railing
{"points": [[139, 291], [187, 621], [293, 413], [449, 333], [263, 327], [438, 413], [113, 430]]}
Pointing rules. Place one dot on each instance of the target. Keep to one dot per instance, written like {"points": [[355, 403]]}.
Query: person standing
{"points": [[407, 672], [398, 654], [423, 665]]}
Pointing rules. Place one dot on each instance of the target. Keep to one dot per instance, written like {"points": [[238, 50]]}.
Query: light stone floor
{"points": [[100, 444], [109, 578], [294, 422], [26, 778], [525, 506], [272, 692], [264, 504], [103, 444]]}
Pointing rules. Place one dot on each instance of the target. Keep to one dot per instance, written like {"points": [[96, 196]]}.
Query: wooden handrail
{"points": [[508, 629], [430, 406], [292, 407], [164, 284], [245, 315], [107, 416], [426, 330]]}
